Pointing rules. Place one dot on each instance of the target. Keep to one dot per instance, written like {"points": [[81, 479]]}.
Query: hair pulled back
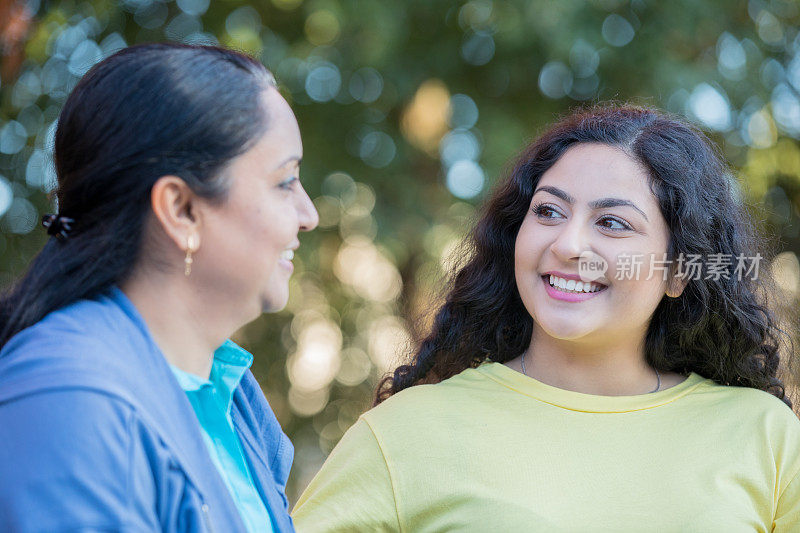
{"points": [[142, 113]]}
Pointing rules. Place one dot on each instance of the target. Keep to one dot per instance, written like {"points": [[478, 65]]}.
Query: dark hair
{"points": [[721, 329], [146, 111]]}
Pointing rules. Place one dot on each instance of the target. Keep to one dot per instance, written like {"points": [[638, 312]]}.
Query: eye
{"points": [[543, 210], [287, 184], [621, 225]]}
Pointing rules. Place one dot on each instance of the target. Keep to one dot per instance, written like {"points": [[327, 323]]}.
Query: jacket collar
{"points": [[104, 344], [193, 449], [171, 413]]}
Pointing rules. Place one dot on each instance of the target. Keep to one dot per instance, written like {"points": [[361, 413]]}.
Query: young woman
{"points": [[122, 405], [555, 395]]}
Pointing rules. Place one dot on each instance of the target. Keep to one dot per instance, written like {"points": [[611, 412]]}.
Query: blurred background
{"points": [[410, 110]]}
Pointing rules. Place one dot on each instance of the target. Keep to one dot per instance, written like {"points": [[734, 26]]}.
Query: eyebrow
{"points": [[289, 160], [602, 203]]}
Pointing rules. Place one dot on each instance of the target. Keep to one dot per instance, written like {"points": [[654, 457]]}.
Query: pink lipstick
{"points": [[558, 294]]}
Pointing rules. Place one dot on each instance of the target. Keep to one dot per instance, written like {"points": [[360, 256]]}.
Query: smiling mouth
{"points": [[288, 255], [573, 286]]}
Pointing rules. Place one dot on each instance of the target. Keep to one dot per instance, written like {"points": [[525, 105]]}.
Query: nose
{"points": [[570, 241], [307, 214]]}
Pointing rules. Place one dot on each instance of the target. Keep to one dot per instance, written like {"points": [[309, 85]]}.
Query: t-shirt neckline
{"points": [[578, 401]]}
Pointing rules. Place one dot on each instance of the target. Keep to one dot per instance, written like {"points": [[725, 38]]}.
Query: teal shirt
{"points": [[211, 400]]}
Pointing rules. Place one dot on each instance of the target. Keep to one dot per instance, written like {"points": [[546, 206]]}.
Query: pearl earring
{"points": [[191, 246]]}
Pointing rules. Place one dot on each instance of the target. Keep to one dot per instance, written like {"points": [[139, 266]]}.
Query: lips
{"points": [[557, 293], [285, 259]]}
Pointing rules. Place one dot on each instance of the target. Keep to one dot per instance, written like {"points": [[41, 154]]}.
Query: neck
{"points": [[186, 329], [605, 369]]}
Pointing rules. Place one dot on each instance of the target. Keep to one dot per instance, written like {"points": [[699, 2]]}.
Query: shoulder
{"points": [[69, 409], [755, 412], [77, 431], [85, 324], [458, 400], [353, 491], [428, 395], [68, 347], [74, 457], [99, 316], [745, 402]]}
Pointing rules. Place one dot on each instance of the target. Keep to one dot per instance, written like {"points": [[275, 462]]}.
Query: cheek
{"points": [[639, 298], [269, 238], [527, 258], [269, 216], [526, 248], [277, 228], [523, 266]]}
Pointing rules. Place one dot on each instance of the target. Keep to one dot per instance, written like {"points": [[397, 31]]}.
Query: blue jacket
{"points": [[97, 435]]}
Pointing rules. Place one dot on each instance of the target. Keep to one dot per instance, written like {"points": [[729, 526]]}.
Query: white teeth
{"points": [[574, 285], [287, 254]]}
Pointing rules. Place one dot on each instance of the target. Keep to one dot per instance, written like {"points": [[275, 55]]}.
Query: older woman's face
{"points": [[247, 242], [594, 201]]}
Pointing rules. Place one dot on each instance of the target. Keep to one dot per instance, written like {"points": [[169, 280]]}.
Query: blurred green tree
{"points": [[409, 110]]}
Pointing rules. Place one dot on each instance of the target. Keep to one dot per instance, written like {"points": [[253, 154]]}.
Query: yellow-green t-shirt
{"points": [[493, 450]]}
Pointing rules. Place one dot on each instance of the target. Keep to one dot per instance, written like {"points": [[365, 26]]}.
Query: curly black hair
{"points": [[722, 329]]}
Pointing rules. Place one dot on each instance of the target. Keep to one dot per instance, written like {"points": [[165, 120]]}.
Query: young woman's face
{"points": [[574, 212], [247, 242]]}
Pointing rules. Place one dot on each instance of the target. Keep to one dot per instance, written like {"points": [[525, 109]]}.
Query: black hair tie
{"points": [[58, 226]]}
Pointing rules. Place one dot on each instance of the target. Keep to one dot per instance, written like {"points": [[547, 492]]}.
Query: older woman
{"points": [[562, 387], [122, 405]]}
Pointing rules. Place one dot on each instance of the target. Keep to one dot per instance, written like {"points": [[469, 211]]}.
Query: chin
{"points": [[565, 329], [274, 304]]}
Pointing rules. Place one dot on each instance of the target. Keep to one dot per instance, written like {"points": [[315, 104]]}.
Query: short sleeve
{"points": [[353, 489], [787, 513], [66, 464]]}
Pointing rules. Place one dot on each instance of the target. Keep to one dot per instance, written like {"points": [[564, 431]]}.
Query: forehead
{"points": [[281, 140], [590, 171]]}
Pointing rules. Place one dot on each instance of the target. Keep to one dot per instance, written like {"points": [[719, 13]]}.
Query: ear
{"points": [[676, 285], [176, 208]]}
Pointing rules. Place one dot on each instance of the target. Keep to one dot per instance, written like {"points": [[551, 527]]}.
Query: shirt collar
{"points": [[227, 369]]}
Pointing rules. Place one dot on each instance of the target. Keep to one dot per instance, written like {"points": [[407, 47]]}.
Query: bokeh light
{"points": [[409, 113], [710, 106], [323, 82], [555, 79], [425, 119], [617, 31], [465, 179], [6, 195]]}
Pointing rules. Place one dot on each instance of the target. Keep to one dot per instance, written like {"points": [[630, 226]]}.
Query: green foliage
{"points": [[409, 111]]}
